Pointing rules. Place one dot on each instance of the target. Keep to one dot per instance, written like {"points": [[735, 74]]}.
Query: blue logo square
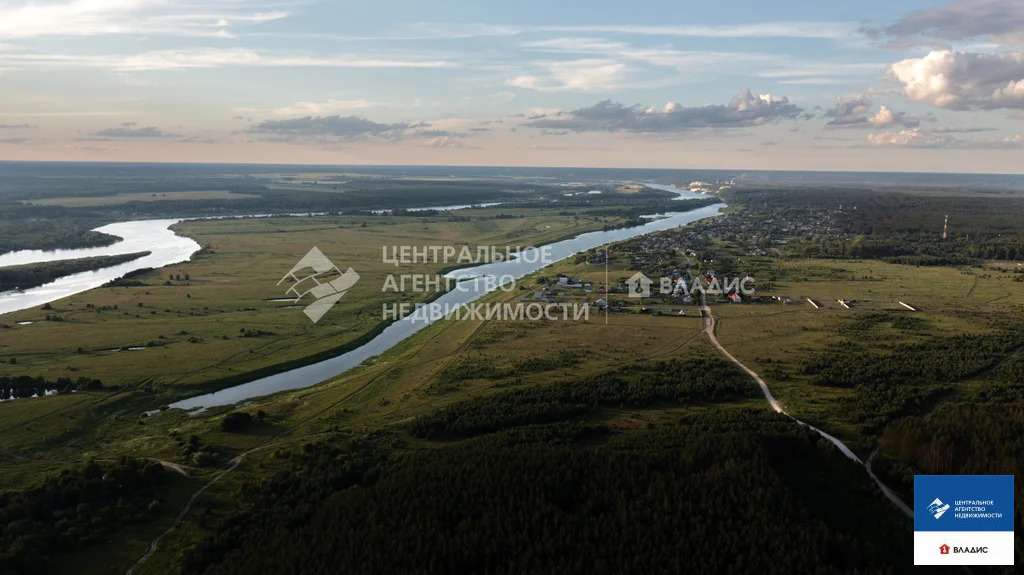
{"points": [[963, 503]]}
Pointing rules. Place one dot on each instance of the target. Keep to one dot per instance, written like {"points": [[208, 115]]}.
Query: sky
{"points": [[914, 85]]}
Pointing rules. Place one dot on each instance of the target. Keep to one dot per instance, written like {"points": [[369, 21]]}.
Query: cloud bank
{"points": [[745, 110], [1000, 20], [346, 128], [857, 113]]}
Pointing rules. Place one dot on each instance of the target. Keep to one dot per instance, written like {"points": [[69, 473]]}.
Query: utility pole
{"points": [[945, 228], [607, 303]]}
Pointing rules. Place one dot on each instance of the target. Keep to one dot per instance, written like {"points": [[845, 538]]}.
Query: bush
{"points": [[235, 421]]}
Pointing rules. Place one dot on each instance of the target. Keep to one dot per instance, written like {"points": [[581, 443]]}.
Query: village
{"points": [[725, 260]]}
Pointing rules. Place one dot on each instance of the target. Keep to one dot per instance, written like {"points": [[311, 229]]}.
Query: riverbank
{"points": [[28, 276], [470, 291]]}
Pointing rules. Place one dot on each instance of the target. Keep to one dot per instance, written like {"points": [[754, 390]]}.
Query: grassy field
{"points": [[228, 318], [417, 375], [92, 201], [232, 287], [775, 339]]}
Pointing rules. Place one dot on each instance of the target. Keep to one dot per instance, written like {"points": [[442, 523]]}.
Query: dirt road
{"points": [[709, 330]]}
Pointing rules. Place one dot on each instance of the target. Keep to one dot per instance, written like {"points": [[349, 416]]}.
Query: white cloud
{"points": [[444, 142], [918, 138], [29, 19], [963, 80], [780, 29], [587, 75], [326, 107], [783, 29], [821, 70], [206, 58], [680, 60], [912, 137], [857, 113], [884, 117]]}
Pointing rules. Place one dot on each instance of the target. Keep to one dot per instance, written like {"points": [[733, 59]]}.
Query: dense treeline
{"points": [[27, 386], [905, 228], [32, 275], [677, 381], [905, 381], [724, 491], [73, 510], [980, 432], [963, 438], [940, 359], [18, 233], [485, 368], [28, 226]]}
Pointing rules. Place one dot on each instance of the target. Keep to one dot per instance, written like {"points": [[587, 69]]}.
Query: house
{"points": [[944, 549], [567, 282]]}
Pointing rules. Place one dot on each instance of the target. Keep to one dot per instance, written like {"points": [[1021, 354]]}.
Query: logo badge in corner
{"points": [[963, 520]]}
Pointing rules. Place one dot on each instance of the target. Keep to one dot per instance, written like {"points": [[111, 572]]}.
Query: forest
{"points": [[721, 491], [18, 232], [75, 509], [903, 228], [675, 382], [28, 386], [33, 275], [979, 432], [892, 385]]}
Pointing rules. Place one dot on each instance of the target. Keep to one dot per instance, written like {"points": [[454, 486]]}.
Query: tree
{"points": [[235, 421]]}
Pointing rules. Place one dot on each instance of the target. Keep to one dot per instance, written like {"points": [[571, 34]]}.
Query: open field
{"points": [[435, 367], [222, 315], [777, 339], [92, 201], [403, 383], [451, 363]]}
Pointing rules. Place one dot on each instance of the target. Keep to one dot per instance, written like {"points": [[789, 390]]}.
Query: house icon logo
{"points": [[937, 508], [943, 549], [639, 285]]}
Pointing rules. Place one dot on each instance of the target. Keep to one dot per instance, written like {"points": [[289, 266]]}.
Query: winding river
{"points": [[154, 236], [466, 291], [168, 248]]}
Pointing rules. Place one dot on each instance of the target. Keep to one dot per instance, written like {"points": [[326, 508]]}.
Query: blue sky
{"points": [[914, 85]]}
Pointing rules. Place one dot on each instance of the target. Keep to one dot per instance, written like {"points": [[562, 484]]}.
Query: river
{"points": [[465, 292], [168, 248], [154, 236]]}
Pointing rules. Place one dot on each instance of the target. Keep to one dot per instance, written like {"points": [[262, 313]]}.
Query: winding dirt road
{"points": [[709, 330]]}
